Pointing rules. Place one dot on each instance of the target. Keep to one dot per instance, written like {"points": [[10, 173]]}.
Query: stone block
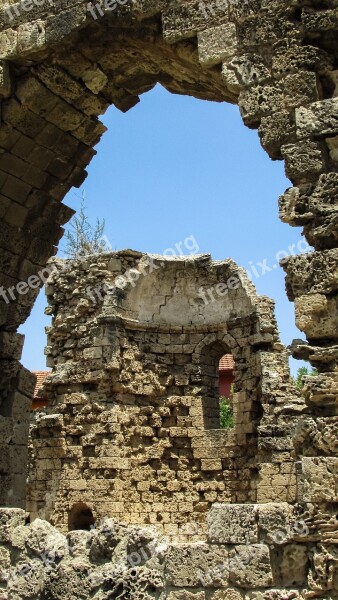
{"points": [[6, 429], [322, 389], [186, 595], [5, 563], [5, 80], [184, 21], [9, 43], [274, 522], [233, 524], [319, 479], [294, 565], [228, 594], [217, 44], [303, 161], [9, 519], [275, 594], [318, 120], [260, 101], [323, 575], [211, 465], [250, 566], [311, 273], [276, 131], [196, 565], [317, 316], [11, 345], [300, 89], [31, 36], [59, 26]]}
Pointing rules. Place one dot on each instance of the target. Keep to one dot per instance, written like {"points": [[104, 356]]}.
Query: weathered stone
{"points": [[196, 565], [235, 524], [149, 347], [274, 523], [319, 480], [278, 63], [250, 567], [217, 45], [318, 120], [317, 316]]}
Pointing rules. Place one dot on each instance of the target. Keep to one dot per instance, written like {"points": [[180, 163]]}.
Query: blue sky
{"points": [[173, 167]]}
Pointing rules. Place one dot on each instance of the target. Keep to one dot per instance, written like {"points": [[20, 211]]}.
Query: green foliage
{"points": [[301, 373], [82, 238], [226, 412]]}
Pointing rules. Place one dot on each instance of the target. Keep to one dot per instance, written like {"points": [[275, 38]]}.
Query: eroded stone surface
{"points": [[132, 429], [61, 69]]}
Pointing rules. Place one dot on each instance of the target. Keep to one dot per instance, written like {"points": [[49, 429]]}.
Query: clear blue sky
{"points": [[173, 167]]}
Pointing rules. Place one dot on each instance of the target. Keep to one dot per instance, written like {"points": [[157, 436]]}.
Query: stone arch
{"points": [[276, 59]]}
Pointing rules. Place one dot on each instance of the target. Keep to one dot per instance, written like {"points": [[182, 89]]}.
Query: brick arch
{"points": [[61, 69]]}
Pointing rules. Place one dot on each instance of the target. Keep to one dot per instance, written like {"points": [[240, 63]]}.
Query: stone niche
{"points": [[132, 431]]}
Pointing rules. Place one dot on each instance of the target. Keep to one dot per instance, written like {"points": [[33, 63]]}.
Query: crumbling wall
{"points": [[259, 552], [62, 67], [278, 59], [133, 424]]}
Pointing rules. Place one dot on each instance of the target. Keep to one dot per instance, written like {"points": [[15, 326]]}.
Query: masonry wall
{"points": [[133, 424], [253, 552], [61, 68]]}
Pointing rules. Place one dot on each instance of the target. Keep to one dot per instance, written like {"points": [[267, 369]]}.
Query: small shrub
{"points": [[82, 238], [226, 413]]}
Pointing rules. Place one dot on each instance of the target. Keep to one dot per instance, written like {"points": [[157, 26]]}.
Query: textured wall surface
{"points": [[60, 69], [253, 552], [133, 424]]}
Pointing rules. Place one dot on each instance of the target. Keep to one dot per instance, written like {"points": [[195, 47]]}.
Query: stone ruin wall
{"points": [[60, 69], [254, 552], [132, 429]]}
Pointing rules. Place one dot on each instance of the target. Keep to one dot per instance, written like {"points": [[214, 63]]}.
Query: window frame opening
{"points": [[211, 356]]}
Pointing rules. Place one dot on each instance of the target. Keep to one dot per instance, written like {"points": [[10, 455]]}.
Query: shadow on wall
{"points": [[80, 517]]}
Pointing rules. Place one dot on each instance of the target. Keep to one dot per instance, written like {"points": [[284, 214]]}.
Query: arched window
{"points": [[217, 369], [80, 517]]}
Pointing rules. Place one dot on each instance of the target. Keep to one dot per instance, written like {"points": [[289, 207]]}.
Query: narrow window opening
{"points": [[226, 378], [217, 368], [81, 517]]}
